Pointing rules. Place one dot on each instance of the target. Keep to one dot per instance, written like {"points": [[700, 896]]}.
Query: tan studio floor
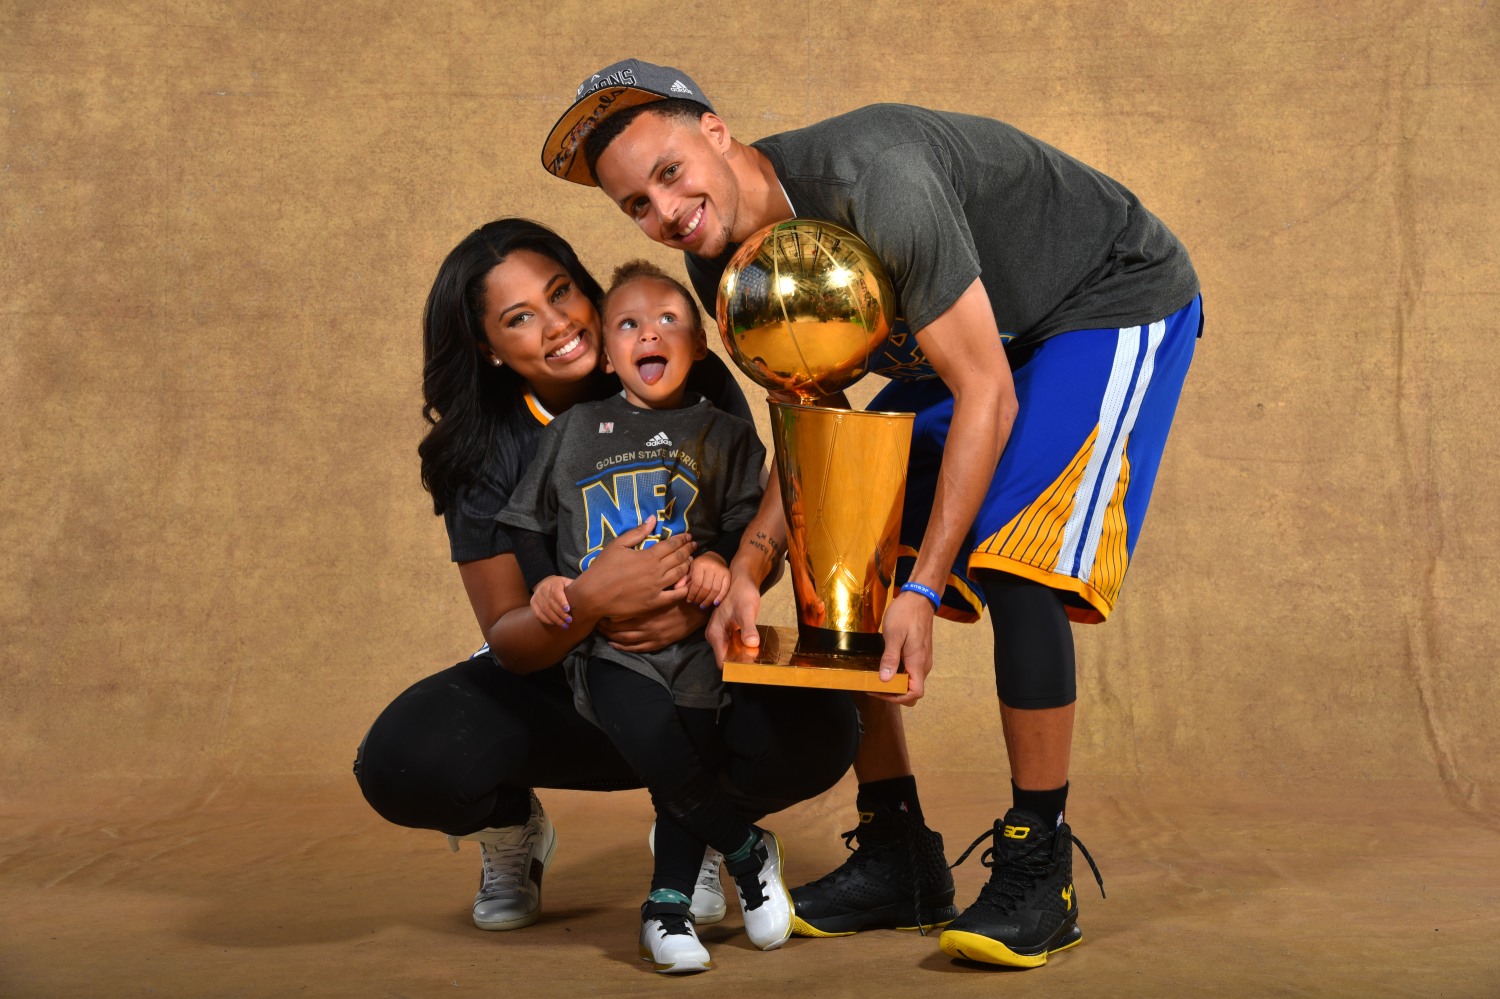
{"points": [[1374, 889]]}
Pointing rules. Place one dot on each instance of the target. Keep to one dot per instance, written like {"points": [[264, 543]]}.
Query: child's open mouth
{"points": [[651, 367]]}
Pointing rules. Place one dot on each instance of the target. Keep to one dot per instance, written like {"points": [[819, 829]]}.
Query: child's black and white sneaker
{"points": [[668, 940], [763, 896]]}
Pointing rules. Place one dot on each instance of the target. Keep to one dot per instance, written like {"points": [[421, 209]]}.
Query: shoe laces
{"points": [[869, 852], [673, 924], [1017, 867], [909, 848], [708, 873], [504, 866]]}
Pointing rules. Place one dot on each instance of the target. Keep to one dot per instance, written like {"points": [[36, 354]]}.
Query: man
{"points": [[1048, 321]]}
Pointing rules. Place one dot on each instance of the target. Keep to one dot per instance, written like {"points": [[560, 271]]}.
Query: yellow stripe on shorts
{"points": [[1030, 544]]}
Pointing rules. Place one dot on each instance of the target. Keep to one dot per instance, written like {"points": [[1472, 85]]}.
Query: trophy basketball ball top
{"points": [[802, 307]]}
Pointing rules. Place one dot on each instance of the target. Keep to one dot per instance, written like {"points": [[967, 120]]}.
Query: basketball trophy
{"points": [[802, 306]]}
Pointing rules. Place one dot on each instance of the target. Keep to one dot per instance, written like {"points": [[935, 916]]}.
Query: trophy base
{"points": [[781, 662]]}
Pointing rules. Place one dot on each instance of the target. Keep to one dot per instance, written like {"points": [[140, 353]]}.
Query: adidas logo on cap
{"points": [[678, 87]]}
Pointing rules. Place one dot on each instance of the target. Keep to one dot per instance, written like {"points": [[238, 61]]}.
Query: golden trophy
{"points": [[802, 306]]}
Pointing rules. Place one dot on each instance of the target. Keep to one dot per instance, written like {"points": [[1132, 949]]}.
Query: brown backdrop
{"points": [[218, 223]]}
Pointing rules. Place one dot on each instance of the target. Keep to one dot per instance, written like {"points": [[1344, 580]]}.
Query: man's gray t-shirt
{"points": [[945, 198], [604, 467]]}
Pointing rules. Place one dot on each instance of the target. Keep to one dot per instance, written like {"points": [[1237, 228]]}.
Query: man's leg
{"points": [[898, 877], [882, 748], [1027, 910], [1039, 743]]}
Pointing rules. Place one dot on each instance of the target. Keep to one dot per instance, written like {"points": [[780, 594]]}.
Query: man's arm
{"points": [[758, 562], [963, 345], [761, 549]]}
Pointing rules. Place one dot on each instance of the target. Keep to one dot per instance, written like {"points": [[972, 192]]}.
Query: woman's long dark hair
{"points": [[475, 408]]}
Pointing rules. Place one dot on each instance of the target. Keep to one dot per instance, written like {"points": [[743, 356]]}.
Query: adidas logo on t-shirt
{"points": [[660, 440]]}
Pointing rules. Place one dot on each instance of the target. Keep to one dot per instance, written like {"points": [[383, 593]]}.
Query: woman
{"points": [[511, 339]]}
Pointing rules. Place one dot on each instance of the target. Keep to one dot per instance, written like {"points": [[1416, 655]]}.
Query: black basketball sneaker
{"points": [[1027, 910], [897, 878]]}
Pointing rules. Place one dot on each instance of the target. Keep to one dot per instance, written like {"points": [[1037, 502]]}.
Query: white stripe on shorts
{"points": [[1117, 415]]}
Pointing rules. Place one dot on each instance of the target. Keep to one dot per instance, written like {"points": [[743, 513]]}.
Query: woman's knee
{"points": [[434, 757], [787, 745], [409, 779]]}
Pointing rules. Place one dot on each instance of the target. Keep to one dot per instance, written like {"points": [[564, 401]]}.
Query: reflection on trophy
{"points": [[802, 306]]}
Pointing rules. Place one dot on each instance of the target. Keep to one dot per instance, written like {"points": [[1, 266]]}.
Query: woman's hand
{"points": [[656, 630], [619, 582], [622, 582]]}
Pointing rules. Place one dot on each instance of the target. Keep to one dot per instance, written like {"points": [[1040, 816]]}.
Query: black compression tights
{"points": [[1034, 664]]}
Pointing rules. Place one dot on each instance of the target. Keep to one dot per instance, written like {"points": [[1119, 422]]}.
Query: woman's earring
{"points": [[495, 361]]}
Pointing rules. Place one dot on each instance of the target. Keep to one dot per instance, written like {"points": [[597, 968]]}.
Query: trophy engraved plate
{"points": [[802, 305]]}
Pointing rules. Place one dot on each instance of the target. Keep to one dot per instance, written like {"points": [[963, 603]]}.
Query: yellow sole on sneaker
{"points": [[806, 929], [802, 928], [975, 947]]}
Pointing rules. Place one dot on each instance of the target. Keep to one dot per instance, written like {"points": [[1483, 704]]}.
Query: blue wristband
{"points": [[926, 591]]}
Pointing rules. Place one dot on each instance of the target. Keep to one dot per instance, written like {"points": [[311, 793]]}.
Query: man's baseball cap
{"points": [[617, 87]]}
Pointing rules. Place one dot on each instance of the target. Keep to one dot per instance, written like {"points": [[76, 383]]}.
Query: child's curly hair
{"points": [[635, 270]]}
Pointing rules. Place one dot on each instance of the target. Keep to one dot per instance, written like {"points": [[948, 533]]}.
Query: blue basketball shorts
{"points": [[1067, 501]]}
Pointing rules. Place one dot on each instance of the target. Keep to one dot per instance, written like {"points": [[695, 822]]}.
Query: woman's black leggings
{"points": [[460, 750]]}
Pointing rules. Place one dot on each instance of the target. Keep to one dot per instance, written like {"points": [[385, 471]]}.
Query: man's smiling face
{"points": [[671, 177]]}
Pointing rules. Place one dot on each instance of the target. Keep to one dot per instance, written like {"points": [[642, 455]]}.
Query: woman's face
{"points": [[539, 323]]}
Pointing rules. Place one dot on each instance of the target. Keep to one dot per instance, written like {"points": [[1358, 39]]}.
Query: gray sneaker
{"points": [[708, 894], [513, 859]]}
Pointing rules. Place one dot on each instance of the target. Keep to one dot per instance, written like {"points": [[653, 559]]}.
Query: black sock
{"points": [[1045, 805], [894, 794]]}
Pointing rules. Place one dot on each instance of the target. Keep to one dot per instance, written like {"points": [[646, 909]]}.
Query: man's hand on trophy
{"points": [[735, 617], [908, 642]]}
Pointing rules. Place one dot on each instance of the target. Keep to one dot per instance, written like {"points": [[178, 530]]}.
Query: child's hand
{"points": [[549, 602], [707, 580]]}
